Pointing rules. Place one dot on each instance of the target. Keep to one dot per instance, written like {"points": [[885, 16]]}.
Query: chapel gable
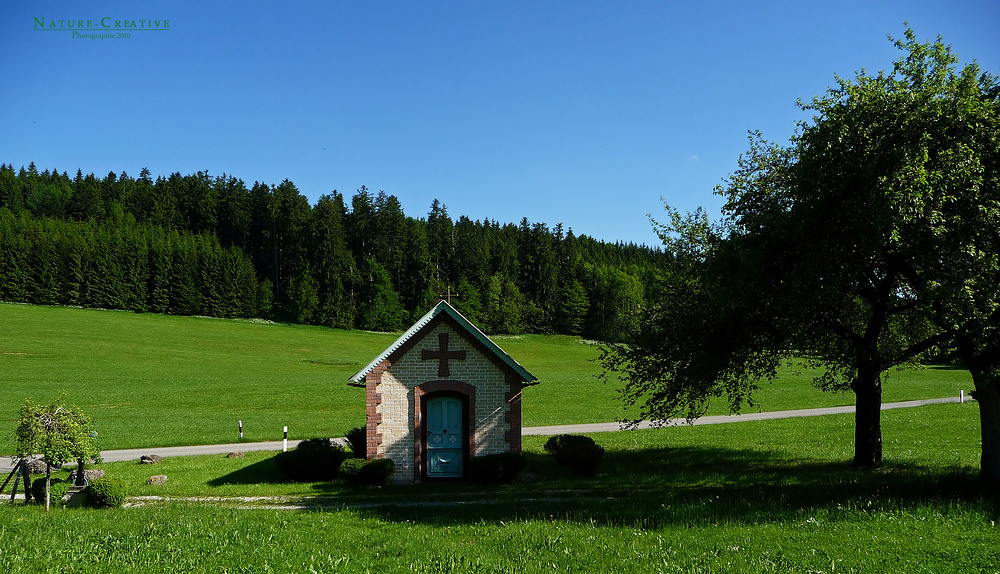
{"points": [[441, 394]]}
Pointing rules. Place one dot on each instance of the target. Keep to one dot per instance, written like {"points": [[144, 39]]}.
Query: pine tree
{"points": [[87, 201], [571, 314], [11, 195], [418, 271], [380, 307], [303, 298], [291, 215], [468, 301], [74, 255], [184, 296], [160, 269], [440, 241], [135, 269], [333, 264], [389, 242], [44, 264], [234, 217], [15, 258]]}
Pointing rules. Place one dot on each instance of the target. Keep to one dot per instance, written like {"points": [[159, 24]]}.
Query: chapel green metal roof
{"points": [[446, 308]]}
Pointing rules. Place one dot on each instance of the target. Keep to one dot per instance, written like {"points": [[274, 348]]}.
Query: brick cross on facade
{"points": [[443, 355]]}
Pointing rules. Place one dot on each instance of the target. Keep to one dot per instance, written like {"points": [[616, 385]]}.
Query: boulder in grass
{"points": [[157, 480], [150, 459], [235, 455], [89, 474], [36, 466]]}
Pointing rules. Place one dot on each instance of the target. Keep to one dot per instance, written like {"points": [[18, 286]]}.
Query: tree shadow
{"points": [[262, 472], [946, 368], [652, 488]]}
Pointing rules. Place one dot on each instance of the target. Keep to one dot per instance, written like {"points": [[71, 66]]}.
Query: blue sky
{"points": [[584, 113]]}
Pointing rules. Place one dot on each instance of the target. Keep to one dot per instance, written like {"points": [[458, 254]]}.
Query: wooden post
{"points": [[16, 474], [80, 473]]}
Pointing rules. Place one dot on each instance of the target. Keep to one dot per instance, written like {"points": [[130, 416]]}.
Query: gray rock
{"points": [[90, 474], [35, 466], [158, 479], [235, 455], [150, 459]]}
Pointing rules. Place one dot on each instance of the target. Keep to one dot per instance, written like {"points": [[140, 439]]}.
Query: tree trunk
{"points": [[987, 383], [868, 418], [26, 480], [48, 484]]}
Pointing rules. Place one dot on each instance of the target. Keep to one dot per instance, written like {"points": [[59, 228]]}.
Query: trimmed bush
{"points": [[350, 469], [378, 472], [313, 460], [360, 472], [107, 492], [500, 468], [57, 489], [578, 452], [358, 439]]}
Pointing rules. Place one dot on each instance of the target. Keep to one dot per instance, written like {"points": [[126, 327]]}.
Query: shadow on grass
{"points": [[263, 472], [693, 486]]}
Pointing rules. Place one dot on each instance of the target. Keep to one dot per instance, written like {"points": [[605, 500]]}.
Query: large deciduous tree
{"points": [[833, 245], [958, 172]]}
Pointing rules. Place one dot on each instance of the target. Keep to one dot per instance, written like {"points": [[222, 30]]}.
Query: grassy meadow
{"points": [[159, 380], [766, 496]]}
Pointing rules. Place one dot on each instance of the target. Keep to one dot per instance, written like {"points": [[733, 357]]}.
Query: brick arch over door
{"points": [[430, 388]]}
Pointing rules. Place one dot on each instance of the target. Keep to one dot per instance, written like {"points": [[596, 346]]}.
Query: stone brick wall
{"points": [[391, 403]]}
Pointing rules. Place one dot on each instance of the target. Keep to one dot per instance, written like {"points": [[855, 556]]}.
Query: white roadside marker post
{"points": [[284, 442], [961, 396], [241, 429]]}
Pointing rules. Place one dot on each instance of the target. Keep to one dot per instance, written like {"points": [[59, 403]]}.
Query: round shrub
{"points": [[578, 452], [357, 437], [350, 469], [107, 492], [378, 472], [360, 472], [500, 468], [57, 489], [313, 460]]}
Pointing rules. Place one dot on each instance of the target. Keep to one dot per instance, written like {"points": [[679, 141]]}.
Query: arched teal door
{"points": [[445, 437]]}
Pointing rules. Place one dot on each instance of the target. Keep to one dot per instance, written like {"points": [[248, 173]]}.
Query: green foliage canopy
{"points": [[58, 432], [831, 246]]}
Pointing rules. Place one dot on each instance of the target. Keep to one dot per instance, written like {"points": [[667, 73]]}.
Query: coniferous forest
{"points": [[203, 245]]}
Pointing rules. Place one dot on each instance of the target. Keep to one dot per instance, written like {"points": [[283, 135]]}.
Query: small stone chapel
{"points": [[442, 393]]}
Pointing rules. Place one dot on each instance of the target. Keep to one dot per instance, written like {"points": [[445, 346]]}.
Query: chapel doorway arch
{"points": [[444, 429]]}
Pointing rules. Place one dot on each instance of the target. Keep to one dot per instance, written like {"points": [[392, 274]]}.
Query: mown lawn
{"points": [[157, 380], [767, 496]]}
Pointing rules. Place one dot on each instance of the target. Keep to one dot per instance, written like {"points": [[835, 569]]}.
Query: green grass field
{"points": [[767, 496], [158, 380]]}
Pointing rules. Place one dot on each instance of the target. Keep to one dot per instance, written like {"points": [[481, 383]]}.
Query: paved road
{"points": [[134, 454], [722, 419]]}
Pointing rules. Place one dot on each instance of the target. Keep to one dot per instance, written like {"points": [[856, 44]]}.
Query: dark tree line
{"points": [[197, 244], [124, 265]]}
